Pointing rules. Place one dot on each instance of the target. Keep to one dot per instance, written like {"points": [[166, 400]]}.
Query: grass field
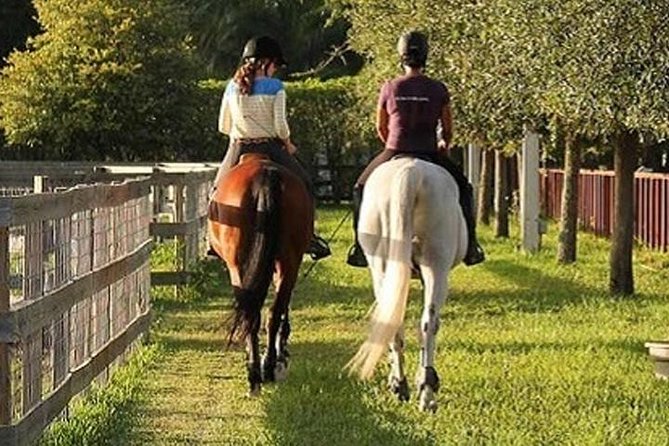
{"points": [[529, 352]]}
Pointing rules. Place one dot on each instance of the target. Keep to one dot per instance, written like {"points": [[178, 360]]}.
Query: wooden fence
{"points": [[74, 296], [596, 203], [179, 196]]}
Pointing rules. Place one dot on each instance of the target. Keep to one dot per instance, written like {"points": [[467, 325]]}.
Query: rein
{"points": [[332, 236]]}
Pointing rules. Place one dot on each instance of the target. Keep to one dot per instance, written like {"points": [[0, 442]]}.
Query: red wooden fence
{"points": [[595, 203]]}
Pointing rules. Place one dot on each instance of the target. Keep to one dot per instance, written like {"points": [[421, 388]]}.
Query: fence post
{"points": [[529, 191], [191, 214], [179, 218], [5, 372], [34, 288]]}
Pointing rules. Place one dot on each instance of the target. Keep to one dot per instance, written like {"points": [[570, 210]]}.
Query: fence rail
{"points": [[596, 203], [179, 196], [74, 296]]}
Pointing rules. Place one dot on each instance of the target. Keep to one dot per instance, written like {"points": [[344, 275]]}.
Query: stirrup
{"points": [[356, 257], [475, 254], [318, 248]]}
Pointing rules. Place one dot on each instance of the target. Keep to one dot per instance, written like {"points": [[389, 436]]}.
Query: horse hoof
{"points": [[281, 371], [400, 388], [267, 371], [427, 401]]}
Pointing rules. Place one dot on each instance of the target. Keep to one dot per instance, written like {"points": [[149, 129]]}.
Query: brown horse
{"points": [[261, 218]]}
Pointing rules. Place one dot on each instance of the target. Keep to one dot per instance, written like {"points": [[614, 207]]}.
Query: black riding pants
{"points": [[438, 158], [274, 150]]}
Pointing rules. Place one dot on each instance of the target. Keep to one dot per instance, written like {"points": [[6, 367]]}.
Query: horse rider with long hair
{"points": [[253, 115], [410, 107]]}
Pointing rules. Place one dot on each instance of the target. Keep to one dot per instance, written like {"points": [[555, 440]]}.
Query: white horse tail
{"points": [[388, 315]]}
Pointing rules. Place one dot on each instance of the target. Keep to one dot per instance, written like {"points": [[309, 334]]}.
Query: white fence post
{"points": [[529, 191]]}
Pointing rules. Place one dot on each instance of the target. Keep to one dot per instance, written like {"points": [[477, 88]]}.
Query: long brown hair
{"points": [[246, 73]]}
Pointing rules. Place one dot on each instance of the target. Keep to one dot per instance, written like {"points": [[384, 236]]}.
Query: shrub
{"points": [[106, 80]]}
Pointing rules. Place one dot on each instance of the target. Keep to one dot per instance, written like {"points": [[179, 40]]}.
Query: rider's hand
{"points": [[442, 146], [290, 147]]}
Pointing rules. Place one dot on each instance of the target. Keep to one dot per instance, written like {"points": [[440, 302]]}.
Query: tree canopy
{"points": [[107, 79], [600, 66], [307, 30]]}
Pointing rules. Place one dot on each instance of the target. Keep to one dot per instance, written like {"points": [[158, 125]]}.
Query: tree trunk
{"points": [[486, 192], [622, 276], [501, 202], [566, 252], [513, 180], [652, 157]]}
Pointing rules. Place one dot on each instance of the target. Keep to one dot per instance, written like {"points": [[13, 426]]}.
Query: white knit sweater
{"points": [[261, 114]]}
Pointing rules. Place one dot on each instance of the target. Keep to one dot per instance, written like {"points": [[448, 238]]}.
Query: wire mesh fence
{"points": [[179, 199], [75, 274], [74, 295]]}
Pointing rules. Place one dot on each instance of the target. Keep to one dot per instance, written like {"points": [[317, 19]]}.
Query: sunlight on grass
{"points": [[529, 352]]}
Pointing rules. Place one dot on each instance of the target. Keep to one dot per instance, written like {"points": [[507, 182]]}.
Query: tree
{"points": [[470, 52], [307, 30], [501, 197], [599, 67], [566, 252], [486, 196], [613, 89], [106, 80]]}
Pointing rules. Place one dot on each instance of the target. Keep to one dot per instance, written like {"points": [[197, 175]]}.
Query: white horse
{"points": [[410, 214]]}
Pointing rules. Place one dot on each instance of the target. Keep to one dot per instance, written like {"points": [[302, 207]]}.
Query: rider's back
{"points": [[414, 105]]}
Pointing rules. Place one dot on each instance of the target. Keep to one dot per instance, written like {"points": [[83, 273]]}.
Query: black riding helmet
{"points": [[413, 48], [263, 48]]}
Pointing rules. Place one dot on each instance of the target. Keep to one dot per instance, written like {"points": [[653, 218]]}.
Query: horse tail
{"points": [[260, 244], [388, 315]]}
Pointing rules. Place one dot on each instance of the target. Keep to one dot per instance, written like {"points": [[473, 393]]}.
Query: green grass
{"points": [[106, 415], [529, 352]]}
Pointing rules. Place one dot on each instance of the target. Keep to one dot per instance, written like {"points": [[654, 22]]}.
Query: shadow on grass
{"points": [[320, 404], [523, 348], [534, 292]]}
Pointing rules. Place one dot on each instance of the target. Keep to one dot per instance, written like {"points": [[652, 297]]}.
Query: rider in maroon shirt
{"points": [[409, 110], [412, 105]]}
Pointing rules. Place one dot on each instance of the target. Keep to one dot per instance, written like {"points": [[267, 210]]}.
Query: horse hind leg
{"points": [[275, 361], [427, 379], [269, 360], [253, 360], [281, 368], [246, 324], [397, 381]]}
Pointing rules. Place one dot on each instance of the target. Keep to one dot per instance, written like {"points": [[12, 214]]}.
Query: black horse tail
{"points": [[259, 246]]}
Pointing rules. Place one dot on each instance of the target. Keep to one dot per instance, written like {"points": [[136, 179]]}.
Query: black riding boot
{"points": [[318, 248], [475, 253], [356, 257]]}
